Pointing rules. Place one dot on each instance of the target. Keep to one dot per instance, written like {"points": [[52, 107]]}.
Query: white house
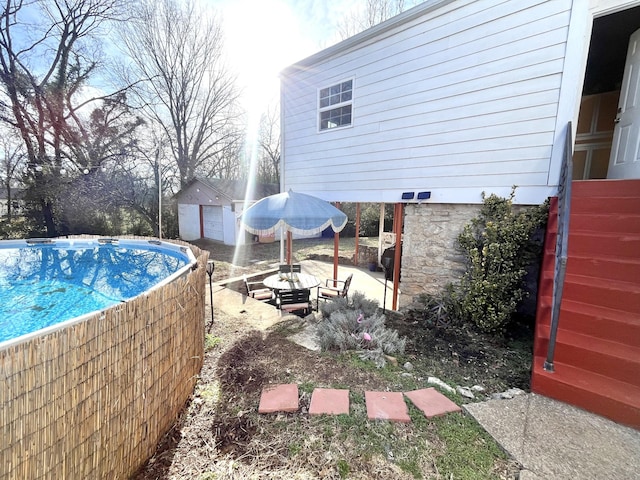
{"points": [[453, 98], [210, 208], [457, 97]]}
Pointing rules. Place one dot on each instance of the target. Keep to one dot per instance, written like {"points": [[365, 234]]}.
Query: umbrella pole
{"points": [[281, 246], [336, 248], [289, 238], [336, 243]]}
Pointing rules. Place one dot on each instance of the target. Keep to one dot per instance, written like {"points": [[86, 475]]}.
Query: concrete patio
{"points": [[371, 284]]}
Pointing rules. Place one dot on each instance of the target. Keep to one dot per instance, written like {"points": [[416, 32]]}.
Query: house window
{"points": [[334, 105]]}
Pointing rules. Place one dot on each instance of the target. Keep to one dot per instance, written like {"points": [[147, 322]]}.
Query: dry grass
{"points": [[221, 436]]}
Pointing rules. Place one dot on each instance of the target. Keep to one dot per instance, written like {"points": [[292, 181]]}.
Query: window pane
{"points": [[335, 95]]}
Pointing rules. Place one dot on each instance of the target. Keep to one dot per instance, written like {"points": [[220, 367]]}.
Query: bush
{"points": [[358, 302], [358, 325], [369, 219], [498, 248], [440, 310]]}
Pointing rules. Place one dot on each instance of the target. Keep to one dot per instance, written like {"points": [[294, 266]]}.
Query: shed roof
{"points": [[234, 189]]}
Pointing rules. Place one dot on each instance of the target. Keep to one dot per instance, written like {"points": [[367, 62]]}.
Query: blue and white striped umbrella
{"points": [[295, 212]]}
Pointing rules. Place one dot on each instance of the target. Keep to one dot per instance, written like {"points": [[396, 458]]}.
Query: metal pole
{"points": [[159, 200], [386, 265], [210, 268], [384, 300], [562, 245]]}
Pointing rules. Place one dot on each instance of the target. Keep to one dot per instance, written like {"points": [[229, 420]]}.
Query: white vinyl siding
{"points": [[462, 98], [189, 222]]}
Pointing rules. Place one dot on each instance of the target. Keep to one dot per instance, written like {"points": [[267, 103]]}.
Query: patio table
{"points": [[291, 281]]}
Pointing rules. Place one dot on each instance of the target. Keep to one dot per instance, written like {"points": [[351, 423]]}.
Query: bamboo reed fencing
{"points": [[93, 399]]}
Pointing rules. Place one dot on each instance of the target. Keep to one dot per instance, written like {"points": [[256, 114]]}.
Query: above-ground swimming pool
{"points": [[91, 396], [47, 282]]}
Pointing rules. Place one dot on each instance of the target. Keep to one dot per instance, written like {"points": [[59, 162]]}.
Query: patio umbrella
{"points": [[293, 212]]}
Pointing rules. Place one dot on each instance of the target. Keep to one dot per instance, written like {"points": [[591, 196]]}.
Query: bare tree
{"points": [[177, 50], [269, 147], [369, 14], [10, 166], [146, 194], [105, 145], [106, 134], [43, 69]]}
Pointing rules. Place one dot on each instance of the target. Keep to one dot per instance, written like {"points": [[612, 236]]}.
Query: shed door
{"points": [[624, 161], [212, 222]]}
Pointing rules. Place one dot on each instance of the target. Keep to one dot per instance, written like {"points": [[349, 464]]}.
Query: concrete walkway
{"points": [[556, 441]]}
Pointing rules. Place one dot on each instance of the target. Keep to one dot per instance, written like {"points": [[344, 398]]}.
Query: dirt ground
{"points": [[219, 430], [220, 435]]}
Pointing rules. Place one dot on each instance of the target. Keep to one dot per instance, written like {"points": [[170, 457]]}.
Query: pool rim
{"points": [[92, 242]]}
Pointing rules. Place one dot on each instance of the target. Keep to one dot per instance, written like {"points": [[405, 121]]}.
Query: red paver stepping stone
{"points": [[432, 402], [387, 406], [329, 401], [279, 398]]}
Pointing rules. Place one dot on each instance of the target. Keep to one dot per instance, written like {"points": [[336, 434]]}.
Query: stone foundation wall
{"points": [[430, 255]]}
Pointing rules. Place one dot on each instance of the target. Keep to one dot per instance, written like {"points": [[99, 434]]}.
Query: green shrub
{"points": [[211, 342], [358, 325], [497, 247]]}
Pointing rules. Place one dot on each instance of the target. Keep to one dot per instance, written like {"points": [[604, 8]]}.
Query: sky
{"points": [[265, 36]]}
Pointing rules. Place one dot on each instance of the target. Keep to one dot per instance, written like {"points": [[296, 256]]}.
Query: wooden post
{"points": [[380, 231], [336, 243], [355, 259], [201, 212], [397, 229]]}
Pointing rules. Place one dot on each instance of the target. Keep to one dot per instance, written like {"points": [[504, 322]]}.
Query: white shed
{"points": [[209, 208]]}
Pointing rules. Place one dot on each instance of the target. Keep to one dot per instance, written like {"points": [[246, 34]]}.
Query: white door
{"points": [[212, 225], [624, 161]]}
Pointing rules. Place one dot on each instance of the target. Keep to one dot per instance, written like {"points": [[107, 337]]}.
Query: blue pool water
{"points": [[45, 284]]}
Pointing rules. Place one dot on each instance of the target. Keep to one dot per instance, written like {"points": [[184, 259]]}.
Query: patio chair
{"points": [[263, 294], [291, 301], [329, 292], [286, 268]]}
